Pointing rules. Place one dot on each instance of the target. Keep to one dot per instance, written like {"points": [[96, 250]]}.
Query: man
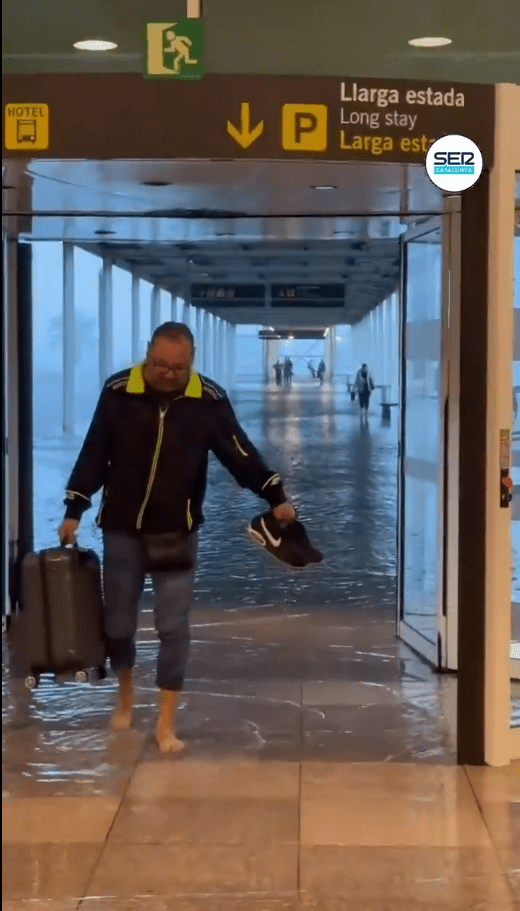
{"points": [[288, 371], [147, 447], [364, 386]]}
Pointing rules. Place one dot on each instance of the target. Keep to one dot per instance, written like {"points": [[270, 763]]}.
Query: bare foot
{"points": [[168, 742], [121, 720], [122, 717]]}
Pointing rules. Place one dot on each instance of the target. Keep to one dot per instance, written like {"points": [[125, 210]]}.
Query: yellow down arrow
{"points": [[244, 135]]}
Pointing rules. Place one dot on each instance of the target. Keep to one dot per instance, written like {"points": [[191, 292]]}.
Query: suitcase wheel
{"points": [[32, 681]]}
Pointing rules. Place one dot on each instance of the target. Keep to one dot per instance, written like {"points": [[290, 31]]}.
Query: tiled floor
{"points": [[320, 794], [203, 835], [319, 773]]}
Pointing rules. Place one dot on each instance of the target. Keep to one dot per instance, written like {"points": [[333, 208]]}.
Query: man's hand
{"points": [[67, 531], [285, 513]]}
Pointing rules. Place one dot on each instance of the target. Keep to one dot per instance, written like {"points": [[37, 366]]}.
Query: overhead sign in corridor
{"points": [[123, 115]]}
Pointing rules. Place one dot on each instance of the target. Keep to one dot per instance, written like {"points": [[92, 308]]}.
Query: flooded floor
{"points": [[319, 772]]}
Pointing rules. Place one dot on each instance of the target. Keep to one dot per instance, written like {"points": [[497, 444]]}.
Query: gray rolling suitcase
{"points": [[61, 623]]}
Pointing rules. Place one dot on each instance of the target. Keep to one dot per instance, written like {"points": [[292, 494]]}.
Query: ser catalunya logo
{"points": [[454, 163]]}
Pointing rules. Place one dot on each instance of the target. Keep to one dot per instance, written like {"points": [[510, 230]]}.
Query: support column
{"points": [[199, 340], [18, 415], [273, 355], [208, 367], [225, 361], [222, 352], [69, 340], [231, 356], [486, 330], [106, 322], [331, 354], [180, 309], [173, 307], [191, 318], [155, 309], [136, 312], [214, 346], [472, 468]]}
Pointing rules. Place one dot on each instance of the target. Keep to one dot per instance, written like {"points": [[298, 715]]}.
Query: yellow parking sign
{"points": [[26, 127], [304, 127]]}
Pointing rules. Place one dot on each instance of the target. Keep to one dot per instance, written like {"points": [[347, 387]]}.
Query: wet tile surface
{"points": [[47, 872], [164, 870], [430, 876], [342, 805], [229, 821], [319, 768]]}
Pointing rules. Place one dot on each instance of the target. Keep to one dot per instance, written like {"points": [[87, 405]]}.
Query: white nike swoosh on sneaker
{"points": [[272, 541]]}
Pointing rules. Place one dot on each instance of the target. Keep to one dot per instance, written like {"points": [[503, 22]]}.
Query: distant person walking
{"points": [[321, 371], [312, 370], [288, 372], [278, 372], [364, 386]]}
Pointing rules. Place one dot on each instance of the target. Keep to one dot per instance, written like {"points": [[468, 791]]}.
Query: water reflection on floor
{"points": [[342, 477], [320, 749], [283, 664]]}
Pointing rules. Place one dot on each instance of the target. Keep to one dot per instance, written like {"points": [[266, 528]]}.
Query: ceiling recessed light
{"points": [[429, 42], [94, 44], [104, 231], [155, 183], [324, 187]]}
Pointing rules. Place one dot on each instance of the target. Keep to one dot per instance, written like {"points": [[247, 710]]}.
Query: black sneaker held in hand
{"points": [[287, 542]]}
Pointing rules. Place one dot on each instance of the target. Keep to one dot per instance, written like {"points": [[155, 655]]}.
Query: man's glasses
{"points": [[167, 368]]}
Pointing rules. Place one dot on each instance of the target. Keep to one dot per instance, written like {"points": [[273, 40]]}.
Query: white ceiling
{"points": [[236, 222]]}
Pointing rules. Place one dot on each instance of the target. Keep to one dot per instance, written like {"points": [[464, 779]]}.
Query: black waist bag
{"points": [[169, 552]]}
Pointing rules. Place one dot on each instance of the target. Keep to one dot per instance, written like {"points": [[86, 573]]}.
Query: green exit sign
{"points": [[175, 50]]}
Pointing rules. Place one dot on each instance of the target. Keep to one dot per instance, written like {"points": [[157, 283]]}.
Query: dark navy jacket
{"points": [[150, 456]]}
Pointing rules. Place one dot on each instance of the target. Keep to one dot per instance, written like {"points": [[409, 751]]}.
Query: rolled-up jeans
{"points": [[123, 581]]}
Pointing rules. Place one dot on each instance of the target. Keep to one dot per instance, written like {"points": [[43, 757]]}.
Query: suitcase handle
{"points": [[75, 548]]}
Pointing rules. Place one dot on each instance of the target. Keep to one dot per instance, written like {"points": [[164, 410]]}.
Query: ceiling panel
{"points": [[294, 234], [241, 187], [266, 36]]}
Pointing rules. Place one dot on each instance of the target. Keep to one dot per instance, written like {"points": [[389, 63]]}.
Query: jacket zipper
{"points": [[162, 413]]}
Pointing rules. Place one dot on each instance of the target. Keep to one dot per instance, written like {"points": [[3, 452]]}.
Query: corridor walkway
{"points": [[319, 773]]}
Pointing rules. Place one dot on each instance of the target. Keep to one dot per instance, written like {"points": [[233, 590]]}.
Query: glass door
{"points": [[423, 520]]}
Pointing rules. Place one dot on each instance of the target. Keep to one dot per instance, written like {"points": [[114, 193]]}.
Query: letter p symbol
{"points": [[304, 127]]}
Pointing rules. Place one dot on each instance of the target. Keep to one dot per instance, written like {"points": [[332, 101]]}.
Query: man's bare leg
{"points": [[165, 736], [122, 717]]}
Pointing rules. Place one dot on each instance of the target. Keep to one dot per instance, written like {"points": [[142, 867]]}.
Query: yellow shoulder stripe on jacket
{"points": [[135, 383]]}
